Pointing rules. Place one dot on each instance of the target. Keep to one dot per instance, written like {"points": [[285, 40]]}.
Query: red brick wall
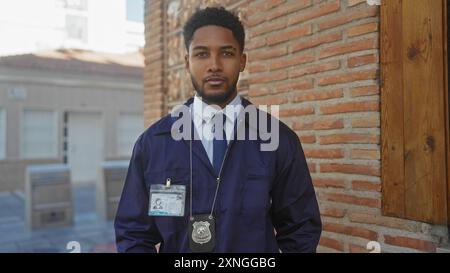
{"points": [[319, 60]]}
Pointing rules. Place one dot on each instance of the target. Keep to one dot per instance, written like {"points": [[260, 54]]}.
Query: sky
{"points": [[135, 10]]}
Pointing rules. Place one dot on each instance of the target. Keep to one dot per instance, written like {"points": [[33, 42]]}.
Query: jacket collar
{"points": [[165, 125]]}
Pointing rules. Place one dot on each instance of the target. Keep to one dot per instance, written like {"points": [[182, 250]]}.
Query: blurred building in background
{"points": [[71, 93], [99, 25], [68, 106]]}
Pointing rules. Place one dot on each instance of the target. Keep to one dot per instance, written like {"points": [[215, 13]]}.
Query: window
{"points": [[135, 10], [39, 134], [72, 4], [414, 112], [2, 134], [76, 27], [129, 127]]}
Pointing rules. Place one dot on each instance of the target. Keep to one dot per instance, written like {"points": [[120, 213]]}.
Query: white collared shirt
{"points": [[203, 121]]}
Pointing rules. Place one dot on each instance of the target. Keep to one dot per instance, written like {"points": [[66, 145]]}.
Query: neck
{"points": [[222, 105]]}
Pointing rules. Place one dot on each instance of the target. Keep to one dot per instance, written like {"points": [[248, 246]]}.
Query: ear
{"points": [[186, 61], [243, 62]]}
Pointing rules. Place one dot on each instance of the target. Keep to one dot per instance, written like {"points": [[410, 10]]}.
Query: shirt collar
{"points": [[204, 112]]}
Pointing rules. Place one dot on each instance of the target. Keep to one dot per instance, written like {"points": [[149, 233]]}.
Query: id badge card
{"points": [[167, 200]]}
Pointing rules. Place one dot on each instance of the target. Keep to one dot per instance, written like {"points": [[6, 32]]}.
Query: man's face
{"points": [[214, 62]]}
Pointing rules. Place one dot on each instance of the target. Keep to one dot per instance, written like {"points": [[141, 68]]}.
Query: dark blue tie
{"points": [[219, 146]]}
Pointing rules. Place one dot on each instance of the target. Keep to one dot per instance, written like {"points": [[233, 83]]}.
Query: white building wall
{"points": [[112, 97], [28, 26]]}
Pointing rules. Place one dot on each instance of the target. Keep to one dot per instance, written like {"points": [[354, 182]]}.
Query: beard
{"points": [[216, 97]]}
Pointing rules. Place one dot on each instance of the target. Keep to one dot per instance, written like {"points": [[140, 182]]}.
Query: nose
{"points": [[215, 64]]}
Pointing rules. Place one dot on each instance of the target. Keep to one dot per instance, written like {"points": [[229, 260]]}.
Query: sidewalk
{"points": [[93, 234]]}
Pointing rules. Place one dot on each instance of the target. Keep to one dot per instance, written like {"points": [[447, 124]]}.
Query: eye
{"points": [[201, 54], [228, 53]]}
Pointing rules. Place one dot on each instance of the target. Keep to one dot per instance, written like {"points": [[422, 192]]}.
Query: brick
{"points": [[257, 67], [366, 186], [154, 57], [324, 153], [314, 69], [349, 77], [314, 42], [256, 92], [333, 212], [263, 6], [308, 110], [256, 19], [290, 61], [328, 183], [309, 139], [350, 169], [348, 17], [267, 27], [242, 86], [378, 220], [349, 107], [153, 64], [362, 60], [367, 122], [312, 167], [362, 29], [370, 154], [154, 100], [418, 244], [352, 231], [350, 138], [294, 86], [267, 77], [153, 81], [294, 33], [351, 47], [365, 91], [152, 49], [267, 54], [319, 125], [288, 8], [355, 2], [316, 95], [255, 43], [331, 243], [269, 101], [318, 11], [350, 199], [150, 100]]}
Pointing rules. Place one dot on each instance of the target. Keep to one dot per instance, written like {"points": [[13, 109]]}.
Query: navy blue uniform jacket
{"points": [[266, 201]]}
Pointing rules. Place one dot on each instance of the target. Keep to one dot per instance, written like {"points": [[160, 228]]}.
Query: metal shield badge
{"points": [[201, 233]]}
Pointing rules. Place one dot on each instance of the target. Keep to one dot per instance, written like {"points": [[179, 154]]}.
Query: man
{"points": [[232, 196]]}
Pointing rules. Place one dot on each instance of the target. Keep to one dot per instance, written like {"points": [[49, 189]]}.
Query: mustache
{"points": [[214, 77]]}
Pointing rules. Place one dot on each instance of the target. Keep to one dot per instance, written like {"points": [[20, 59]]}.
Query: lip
{"points": [[215, 80]]}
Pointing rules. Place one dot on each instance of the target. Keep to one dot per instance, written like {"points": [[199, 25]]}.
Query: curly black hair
{"points": [[217, 16]]}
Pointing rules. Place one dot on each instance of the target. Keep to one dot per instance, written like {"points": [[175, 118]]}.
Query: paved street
{"points": [[93, 234]]}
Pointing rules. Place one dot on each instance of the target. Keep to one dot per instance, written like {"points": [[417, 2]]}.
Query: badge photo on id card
{"points": [[166, 200]]}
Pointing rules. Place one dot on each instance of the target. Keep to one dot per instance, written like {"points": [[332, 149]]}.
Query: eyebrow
{"points": [[222, 48]]}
